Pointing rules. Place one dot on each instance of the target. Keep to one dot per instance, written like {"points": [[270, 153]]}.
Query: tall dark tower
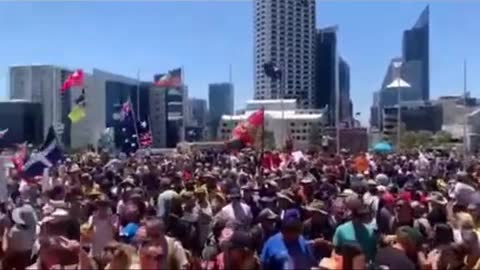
{"points": [[416, 48]]}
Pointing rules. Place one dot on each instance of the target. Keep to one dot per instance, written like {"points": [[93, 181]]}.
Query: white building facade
{"points": [[285, 35], [282, 117]]}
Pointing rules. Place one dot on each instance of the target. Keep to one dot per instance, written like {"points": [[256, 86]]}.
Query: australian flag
{"points": [[47, 156], [135, 139]]}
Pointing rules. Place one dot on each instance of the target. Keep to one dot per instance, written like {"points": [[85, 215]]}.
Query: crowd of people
{"points": [[245, 210]]}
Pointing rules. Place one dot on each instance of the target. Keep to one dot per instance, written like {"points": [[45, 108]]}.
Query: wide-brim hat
{"points": [[286, 195], [437, 197], [23, 215], [267, 214], [75, 168], [317, 206]]}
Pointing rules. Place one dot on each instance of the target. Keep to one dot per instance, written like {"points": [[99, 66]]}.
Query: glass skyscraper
{"points": [[416, 48]]}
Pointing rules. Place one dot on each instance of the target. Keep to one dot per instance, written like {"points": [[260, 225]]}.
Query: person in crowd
{"points": [[264, 229], [288, 249], [403, 253], [357, 230], [221, 208]]}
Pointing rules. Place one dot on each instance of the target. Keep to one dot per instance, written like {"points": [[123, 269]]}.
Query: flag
{"points": [[172, 79], [74, 79], [19, 157], [47, 156], [244, 133], [78, 110], [3, 132], [144, 134], [125, 110], [77, 114]]}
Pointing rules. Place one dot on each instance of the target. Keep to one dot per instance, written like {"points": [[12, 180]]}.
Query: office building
{"points": [[346, 105], [177, 109], [415, 116], [220, 102], [414, 69], [285, 35], [158, 116], [325, 60], [283, 119], [119, 92], [41, 84], [24, 121], [415, 48], [197, 112], [197, 120], [326, 67]]}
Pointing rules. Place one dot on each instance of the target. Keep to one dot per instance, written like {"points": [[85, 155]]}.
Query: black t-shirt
{"points": [[392, 258]]}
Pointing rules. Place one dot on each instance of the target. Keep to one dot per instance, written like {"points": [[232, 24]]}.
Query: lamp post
{"points": [[398, 83]]}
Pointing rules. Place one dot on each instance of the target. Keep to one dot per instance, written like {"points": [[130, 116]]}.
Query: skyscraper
{"points": [[220, 102], [41, 83], [325, 59], [344, 89], [326, 53], [416, 48], [414, 69], [197, 112], [285, 35]]}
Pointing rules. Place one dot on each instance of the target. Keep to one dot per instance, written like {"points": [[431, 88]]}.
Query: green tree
{"points": [[442, 138]]}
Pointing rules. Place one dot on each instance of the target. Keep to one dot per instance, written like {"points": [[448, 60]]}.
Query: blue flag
{"points": [[47, 156]]}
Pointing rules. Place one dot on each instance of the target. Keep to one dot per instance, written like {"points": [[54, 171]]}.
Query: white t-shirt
{"points": [[236, 212]]}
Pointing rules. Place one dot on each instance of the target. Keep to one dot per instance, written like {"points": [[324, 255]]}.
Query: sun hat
{"points": [[317, 206]]}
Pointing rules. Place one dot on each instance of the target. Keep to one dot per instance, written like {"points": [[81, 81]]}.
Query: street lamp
{"points": [[398, 83]]}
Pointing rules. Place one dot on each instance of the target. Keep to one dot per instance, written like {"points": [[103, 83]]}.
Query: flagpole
{"points": [[337, 97], [134, 122], [138, 93], [465, 118]]}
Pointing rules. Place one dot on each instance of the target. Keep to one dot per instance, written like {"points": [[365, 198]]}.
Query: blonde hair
{"points": [[464, 221]]}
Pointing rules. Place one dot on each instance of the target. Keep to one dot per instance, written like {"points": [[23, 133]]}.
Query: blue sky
{"points": [[206, 36]]}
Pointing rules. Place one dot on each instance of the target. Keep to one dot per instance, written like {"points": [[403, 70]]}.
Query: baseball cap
{"points": [[291, 218]]}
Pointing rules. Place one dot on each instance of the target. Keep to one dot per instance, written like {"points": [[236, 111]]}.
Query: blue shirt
{"points": [[277, 254]]}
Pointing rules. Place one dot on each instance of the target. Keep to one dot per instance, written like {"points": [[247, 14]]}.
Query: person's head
{"points": [[234, 195], [152, 256], [474, 210], [470, 241], [117, 255], [443, 234], [360, 212], [155, 229], [403, 211], [201, 194], [291, 225], [267, 219], [451, 257], [57, 250], [352, 256], [239, 247], [409, 238], [318, 211]]}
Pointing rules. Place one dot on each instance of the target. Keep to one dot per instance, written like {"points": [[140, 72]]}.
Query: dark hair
{"points": [[349, 251], [443, 235], [451, 257]]}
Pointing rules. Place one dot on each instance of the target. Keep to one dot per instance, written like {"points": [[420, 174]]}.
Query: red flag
{"points": [[245, 131], [74, 79], [19, 158], [146, 139], [172, 79]]}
